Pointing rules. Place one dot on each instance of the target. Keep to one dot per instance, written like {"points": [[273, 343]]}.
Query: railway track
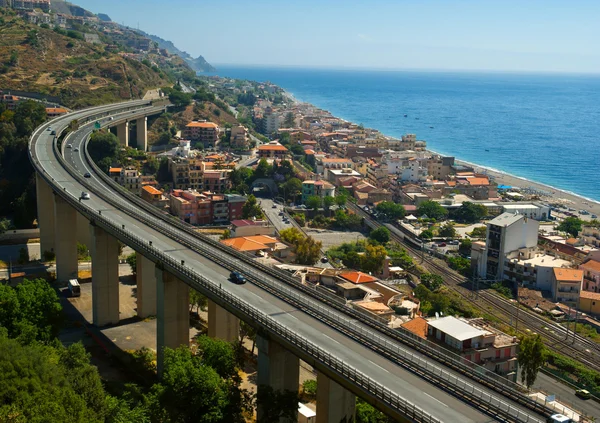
{"points": [[506, 311]]}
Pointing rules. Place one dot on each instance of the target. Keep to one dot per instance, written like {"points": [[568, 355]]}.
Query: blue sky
{"points": [[508, 35]]}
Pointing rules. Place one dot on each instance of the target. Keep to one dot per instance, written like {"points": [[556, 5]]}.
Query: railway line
{"points": [[557, 337]]}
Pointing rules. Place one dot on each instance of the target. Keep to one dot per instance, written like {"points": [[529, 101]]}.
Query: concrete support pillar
{"points": [[105, 277], [173, 315], [123, 133], [84, 236], [142, 133], [146, 286], [45, 215], [334, 403], [66, 240], [277, 368], [222, 324]]}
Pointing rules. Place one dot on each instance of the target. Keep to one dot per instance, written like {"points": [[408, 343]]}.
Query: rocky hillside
{"points": [[33, 58]]}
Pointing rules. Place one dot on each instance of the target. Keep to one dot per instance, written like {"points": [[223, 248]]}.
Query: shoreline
{"points": [[547, 192]]}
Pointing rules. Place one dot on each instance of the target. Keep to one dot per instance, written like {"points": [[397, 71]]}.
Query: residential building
{"points": [[439, 167], [10, 101], [31, 4], [52, 112], [127, 177], [186, 173], [154, 196], [5, 3], [216, 180], [325, 163], [589, 302], [206, 133], [477, 342], [530, 267], [474, 185], [335, 175], [566, 286], [415, 172], [319, 188], [272, 150], [239, 137], [252, 244], [535, 211], [417, 326], [591, 235], [271, 122], [205, 208], [244, 227], [591, 275], [506, 233]]}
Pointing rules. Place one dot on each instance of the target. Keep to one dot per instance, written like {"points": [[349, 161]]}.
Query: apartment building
{"points": [[10, 101], [325, 163], [206, 133], [439, 167], [239, 137], [204, 208], [319, 188], [567, 285], [505, 233], [590, 235], [478, 342], [591, 275], [154, 196], [335, 175], [531, 267], [186, 173], [31, 4], [127, 177], [272, 150]]}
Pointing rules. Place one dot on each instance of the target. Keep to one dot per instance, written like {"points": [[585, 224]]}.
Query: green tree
{"points": [[400, 257], [308, 251], [447, 231], [309, 389], [292, 188], [219, 355], [263, 170], [288, 122], [180, 99], [276, 405], [432, 210], [291, 235], [366, 413], [479, 232], [83, 253], [340, 200], [532, 356], [226, 234], [571, 225], [465, 246], [197, 300], [131, 260], [460, 264], [432, 281], [328, 202], [314, 202], [381, 235], [103, 145], [190, 390], [28, 116], [426, 234], [388, 210], [373, 258], [470, 212], [4, 225], [251, 208]]}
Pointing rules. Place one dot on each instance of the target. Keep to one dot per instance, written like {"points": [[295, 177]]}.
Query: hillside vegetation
{"points": [[62, 64]]}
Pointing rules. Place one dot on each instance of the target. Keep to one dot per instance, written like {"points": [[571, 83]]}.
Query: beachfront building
{"points": [[439, 167], [205, 133], [478, 342], [535, 211], [319, 188], [326, 163]]}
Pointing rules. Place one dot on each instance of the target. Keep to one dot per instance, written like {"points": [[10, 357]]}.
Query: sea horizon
{"points": [[541, 127]]}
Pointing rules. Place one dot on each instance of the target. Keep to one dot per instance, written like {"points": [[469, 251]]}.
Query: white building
{"points": [[272, 122], [505, 234], [415, 172], [535, 211]]}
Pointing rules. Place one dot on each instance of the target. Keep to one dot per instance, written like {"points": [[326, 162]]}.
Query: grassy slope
{"points": [[47, 65]]}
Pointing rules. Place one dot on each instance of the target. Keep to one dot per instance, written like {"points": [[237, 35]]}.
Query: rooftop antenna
{"points": [[437, 315]]}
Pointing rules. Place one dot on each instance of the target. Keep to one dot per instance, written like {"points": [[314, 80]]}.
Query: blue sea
{"points": [[543, 127]]}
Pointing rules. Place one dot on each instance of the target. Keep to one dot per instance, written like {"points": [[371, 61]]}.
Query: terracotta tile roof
{"points": [[358, 277], [309, 152], [337, 160], [209, 125], [151, 190], [418, 326], [591, 265], [244, 244], [272, 147], [56, 110], [590, 295], [479, 181], [568, 275], [244, 222], [114, 170]]}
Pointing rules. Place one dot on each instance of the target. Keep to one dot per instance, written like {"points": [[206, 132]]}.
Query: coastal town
{"points": [[493, 273]]}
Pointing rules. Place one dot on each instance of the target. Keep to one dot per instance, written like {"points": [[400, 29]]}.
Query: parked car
{"points": [[274, 206], [69, 146], [324, 260], [76, 150], [237, 277], [594, 216], [441, 244]]}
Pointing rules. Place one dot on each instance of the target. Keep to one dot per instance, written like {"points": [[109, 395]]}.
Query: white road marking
{"points": [[375, 364], [435, 399], [330, 338]]}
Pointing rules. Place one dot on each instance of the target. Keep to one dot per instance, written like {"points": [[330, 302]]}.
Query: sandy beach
{"points": [[545, 193]]}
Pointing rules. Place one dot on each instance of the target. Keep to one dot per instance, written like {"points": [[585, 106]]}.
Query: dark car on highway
{"points": [[237, 277]]}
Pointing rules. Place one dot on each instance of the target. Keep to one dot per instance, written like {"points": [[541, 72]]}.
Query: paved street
{"points": [[273, 214]]}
